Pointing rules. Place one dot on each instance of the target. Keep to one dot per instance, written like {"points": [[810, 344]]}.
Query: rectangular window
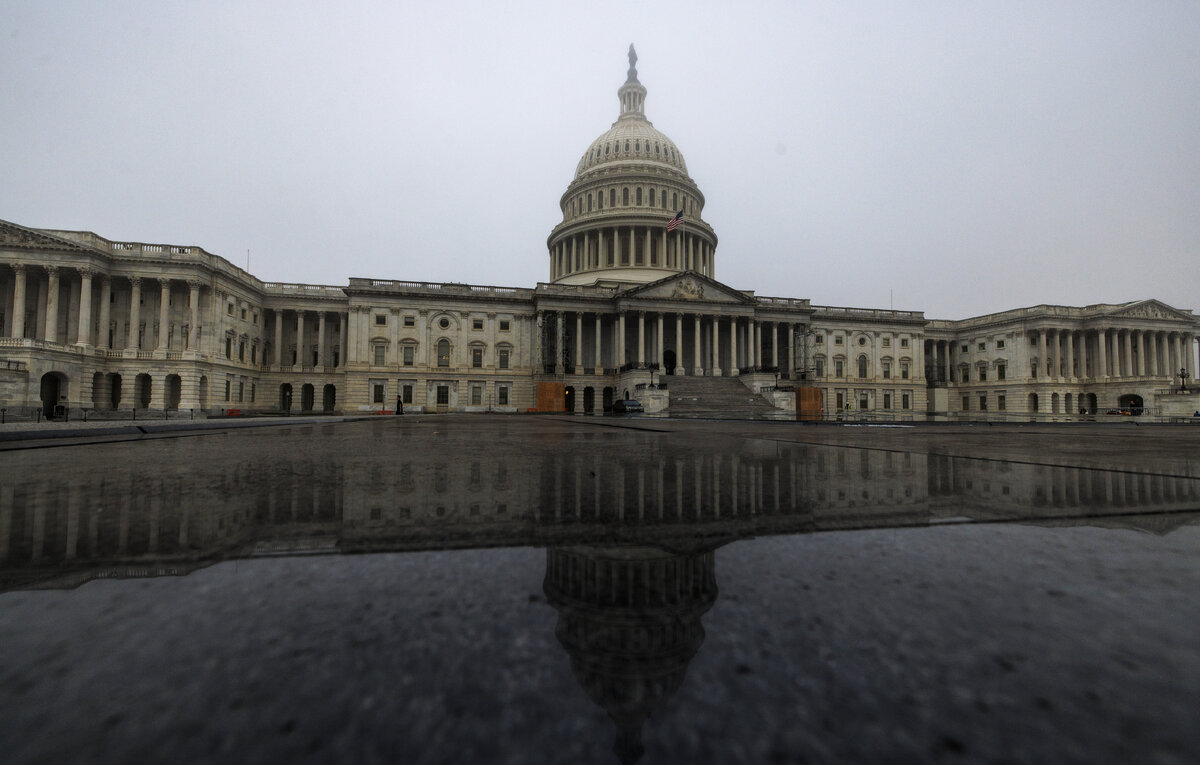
{"points": [[476, 324], [502, 395], [406, 394], [476, 395], [503, 354], [999, 344], [380, 320], [241, 391], [477, 357], [254, 354], [904, 370], [227, 386], [841, 400], [983, 346], [838, 368], [1000, 372], [504, 323], [904, 401], [887, 400], [966, 403], [410, 321], [820, 339], [228, 306], [904, 342], [862, 402], [982, 373], [243, 314], [253, 388], [1000, 402], [229, 347], [837, 340], [983, 403], [887, 370], [408, 355], [241, 351], [377, 393], [887, 342], [443, 395], [380, 355], [820, 368]]}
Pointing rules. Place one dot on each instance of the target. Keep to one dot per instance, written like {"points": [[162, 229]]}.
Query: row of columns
{"points": [[706, 331], [85, 329], [626, 246], [323, 351], [1119, 353]]}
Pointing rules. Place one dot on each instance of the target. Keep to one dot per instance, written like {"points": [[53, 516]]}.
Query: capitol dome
{"points": [[628, 186]]}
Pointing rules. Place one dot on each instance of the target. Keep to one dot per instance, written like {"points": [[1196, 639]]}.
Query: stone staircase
{"points": [[723, 398]]}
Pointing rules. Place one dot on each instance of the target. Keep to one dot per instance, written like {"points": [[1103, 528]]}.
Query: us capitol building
{"points": [[632, 309]]}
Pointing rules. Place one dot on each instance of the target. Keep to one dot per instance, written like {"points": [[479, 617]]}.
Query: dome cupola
{"points": [[629, 184]]}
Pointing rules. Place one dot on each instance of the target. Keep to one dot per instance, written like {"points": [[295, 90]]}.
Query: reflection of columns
{"points": [[641, 357], [278, 337], [193, 342], [18, 319], [85, 307], [164, 306], [135, 313], [52, 304], [578, 343], [697, 358]]}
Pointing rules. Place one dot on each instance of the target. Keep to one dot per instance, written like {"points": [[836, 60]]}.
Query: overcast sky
{"points": [[965, 157]]}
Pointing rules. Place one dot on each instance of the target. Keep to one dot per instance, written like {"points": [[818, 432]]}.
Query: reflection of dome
{"points": [[628, 185], [630, 620]]}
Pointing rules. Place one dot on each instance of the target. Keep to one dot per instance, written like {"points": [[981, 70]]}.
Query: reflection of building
{"points": [[250, 498], [98, 324], [629, 617]]}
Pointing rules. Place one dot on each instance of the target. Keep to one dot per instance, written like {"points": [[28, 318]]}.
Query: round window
{"points": [[861, 340], [444, 323]]}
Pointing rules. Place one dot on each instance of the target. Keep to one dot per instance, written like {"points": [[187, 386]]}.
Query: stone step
{"points": [[717, 397]]}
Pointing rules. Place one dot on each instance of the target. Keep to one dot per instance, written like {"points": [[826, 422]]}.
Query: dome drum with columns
{"points": [[629, 184]]}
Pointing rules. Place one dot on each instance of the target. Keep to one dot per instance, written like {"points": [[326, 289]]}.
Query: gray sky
{"points": [[968, 156]]}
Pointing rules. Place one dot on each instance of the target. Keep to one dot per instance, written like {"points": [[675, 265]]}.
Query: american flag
{"points": [[676, 221]]}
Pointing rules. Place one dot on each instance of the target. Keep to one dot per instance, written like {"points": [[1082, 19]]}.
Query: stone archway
{"points": [[569, 399], [607, 399], [173, 392], [329, 398], [203, 392], [285, 397], [114, 390], [1132, 403], [1033, 402], [589, 400], [307, 394], [668, 362], [142, 388], [54, 393]]}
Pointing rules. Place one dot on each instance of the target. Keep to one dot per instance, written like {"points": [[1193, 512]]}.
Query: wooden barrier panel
{"points": [[809, 405], [551, 397]]}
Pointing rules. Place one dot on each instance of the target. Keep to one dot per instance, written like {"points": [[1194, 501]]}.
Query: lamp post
{"points": [[1183, 377]]}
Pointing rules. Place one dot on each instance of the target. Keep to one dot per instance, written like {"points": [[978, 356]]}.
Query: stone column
{"points": [[1083, 355], [164, 318], [733, 346], [278, 338], [632, 250], [135, 313], [193, 343], [559, 335], [85, 307], [105, 312], [598, 367], [1127, 355], [300, 360], [1043, 358], [945, 344], [620, 339], [1102, 354], [658, 345], [679, 368], [1152, 353], [578, 343], [1070, 355], [697, 356], [716, 346], [646, 255], [1139, 366], [344, 338], [641, 357], [599, 248], [616, 246], [322, 343], [537, 361], [18, 322], [52, 304]]}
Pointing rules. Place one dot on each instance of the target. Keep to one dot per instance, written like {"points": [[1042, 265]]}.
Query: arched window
{"points": [[589, 202], [862, 366], [675, 201], [443, 353], [600, 201], [637, 145], [625, 196], [606, 150], [612, 197], [652, 197], [656, 151], [639, 195], [664, 197], [626, 144]]}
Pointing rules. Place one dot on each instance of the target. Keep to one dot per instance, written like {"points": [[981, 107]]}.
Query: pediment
{"points": [[1151, 309], [688, 286], [12, 235]]}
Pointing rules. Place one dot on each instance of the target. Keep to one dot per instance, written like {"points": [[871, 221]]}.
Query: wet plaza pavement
{"points": [[556, 589]]}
